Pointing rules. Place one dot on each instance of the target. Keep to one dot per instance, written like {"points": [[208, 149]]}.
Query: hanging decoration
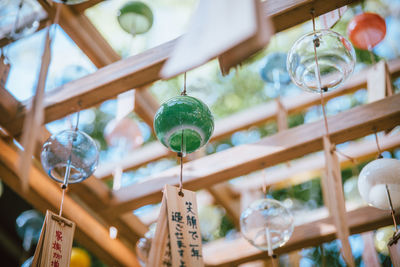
{"points": [[80, 258], [320, 61], [29, 224], [21, 17], [55, 242], [177, 240], [267, 224], [183, 123], [143, 247], [70, 156], [274, 70], [366, 30], [381, 239], [377, 179], [135, 17], [123, 133]]}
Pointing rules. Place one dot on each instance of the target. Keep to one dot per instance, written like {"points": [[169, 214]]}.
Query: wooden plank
{"points": [[47, 194], [337, 204], [226, 253], [142, 69], [306, 168], [79, 8], [269, 151], [146, 106], [243, 120]]}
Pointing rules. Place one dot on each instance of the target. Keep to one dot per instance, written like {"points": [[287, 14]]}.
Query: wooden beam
{"points": [[140, 70], [224, 196], [85, 5], [245, 119], [269, 151], [146, 106], [44, 193], [303, 169], [224, 253]]}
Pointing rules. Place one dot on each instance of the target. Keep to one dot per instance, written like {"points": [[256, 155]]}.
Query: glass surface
{"points": [[135, 17], [143, 247], [19, 21], [381, 239], [366, 30], [336, 60], [183, 120], [274, 70], [373, 180], [74, 147], [266, 219], [29, 225], [124, 131]]}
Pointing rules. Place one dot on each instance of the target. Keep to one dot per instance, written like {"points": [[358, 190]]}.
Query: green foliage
{"points": [[226, 226], [96, 129]]}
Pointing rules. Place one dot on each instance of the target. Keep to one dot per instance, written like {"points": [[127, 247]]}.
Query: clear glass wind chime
{"points": [[69, 157]]}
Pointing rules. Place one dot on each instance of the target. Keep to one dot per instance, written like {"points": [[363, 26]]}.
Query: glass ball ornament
{"points": [[21, 20], [266, 219], [274, 69], [366, 30], [28, 262], [143, 247], [336, 61], [124, 132], [183, 120], [135, 17], [75, 147], [373, 179], [70, 2], [29, 225], [79, 258], [381, 239]]}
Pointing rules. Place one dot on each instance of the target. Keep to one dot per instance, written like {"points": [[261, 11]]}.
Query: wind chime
{"points": [[68, 157], [321, 61], [267, 224], [135, 17], [379, 186], [183, 124]]}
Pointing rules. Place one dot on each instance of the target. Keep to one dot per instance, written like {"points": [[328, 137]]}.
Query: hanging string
{"points": [[316, 43], [180, 154], [386, 186], [67, 173], [184, 84], [264, 184]]}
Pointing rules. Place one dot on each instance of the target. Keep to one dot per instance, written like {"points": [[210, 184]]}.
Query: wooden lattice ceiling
{"points": [[94, 207]]}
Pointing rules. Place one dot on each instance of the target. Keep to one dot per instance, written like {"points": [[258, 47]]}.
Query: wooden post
{"points": [[336, 200]]}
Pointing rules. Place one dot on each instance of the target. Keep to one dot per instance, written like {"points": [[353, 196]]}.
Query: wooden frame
{"points": [[116, 76]]}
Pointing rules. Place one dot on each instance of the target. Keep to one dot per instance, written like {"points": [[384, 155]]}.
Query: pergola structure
{"points": [[94, 207]]}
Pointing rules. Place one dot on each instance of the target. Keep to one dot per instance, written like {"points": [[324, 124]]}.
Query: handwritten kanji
{"points": [[57, 256], [180, 244], [177, 217], [180, 251], [189, 208], [194, 235], [179, 235], [57, 246], [191, 221], [195, 251], [55, 263], [59, 235], [179, 227], [182, 264]]}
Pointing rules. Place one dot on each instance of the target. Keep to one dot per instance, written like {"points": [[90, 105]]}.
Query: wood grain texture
{"points": [[269, 151]]}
